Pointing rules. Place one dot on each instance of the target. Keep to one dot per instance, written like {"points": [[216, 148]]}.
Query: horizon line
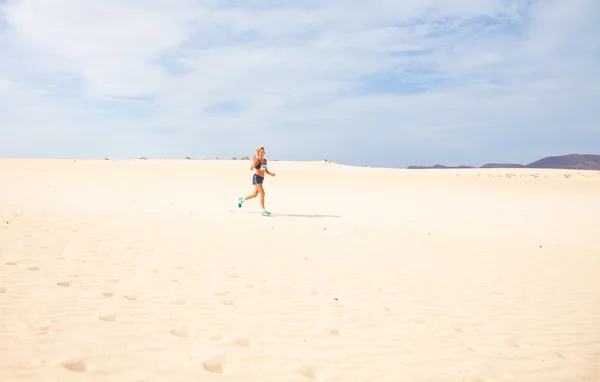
{"points": [[245, 157]]}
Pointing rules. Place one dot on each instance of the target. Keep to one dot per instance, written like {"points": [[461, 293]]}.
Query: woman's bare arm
{"points": [[253, 163]]}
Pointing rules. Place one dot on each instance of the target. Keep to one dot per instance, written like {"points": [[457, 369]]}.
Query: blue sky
{"points": [[381, 83]]}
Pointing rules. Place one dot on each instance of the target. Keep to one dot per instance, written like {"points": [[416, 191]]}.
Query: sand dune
{"points": [[148, 271]]}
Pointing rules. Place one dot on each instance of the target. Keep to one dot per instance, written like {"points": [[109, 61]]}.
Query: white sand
{"points": [[148, 271]]}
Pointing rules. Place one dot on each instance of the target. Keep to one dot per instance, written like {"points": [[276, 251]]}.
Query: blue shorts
{"points": [[257, 179]]}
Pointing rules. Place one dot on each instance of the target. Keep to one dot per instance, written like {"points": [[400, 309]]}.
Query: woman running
{"points": [[259, 164]]}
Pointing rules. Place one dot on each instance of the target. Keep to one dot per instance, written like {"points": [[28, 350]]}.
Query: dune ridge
{"points": [[148, 271]]}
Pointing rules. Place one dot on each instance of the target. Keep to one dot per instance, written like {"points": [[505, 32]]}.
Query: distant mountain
{"points": [[570, 161], [502, 165]]}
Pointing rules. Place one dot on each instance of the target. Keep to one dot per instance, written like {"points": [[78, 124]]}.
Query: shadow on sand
{"points": [[275, 215]]}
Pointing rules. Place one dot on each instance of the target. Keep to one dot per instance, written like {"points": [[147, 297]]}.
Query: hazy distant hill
{"points": [[502, 165], [570, 161]]}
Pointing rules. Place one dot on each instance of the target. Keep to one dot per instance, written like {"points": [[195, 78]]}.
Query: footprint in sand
{"points": [[307, 371], [64, 284], [334, 332], [34, 268], [227, 302], [568, 356], [180, 301], [221, 292], [520, 345], [75, 365], [244, 342], [107, 294], [462, 330], [215, 365], [108, 317], [180, 332], [11, 263], [131, 297], [3, 290]]}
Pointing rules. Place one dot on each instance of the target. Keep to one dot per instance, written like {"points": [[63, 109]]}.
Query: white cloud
{"points": [[380, 82]]}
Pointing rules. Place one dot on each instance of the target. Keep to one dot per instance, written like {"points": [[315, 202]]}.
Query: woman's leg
{"points": [[261, 190], [241, 200], [254, 194]]}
